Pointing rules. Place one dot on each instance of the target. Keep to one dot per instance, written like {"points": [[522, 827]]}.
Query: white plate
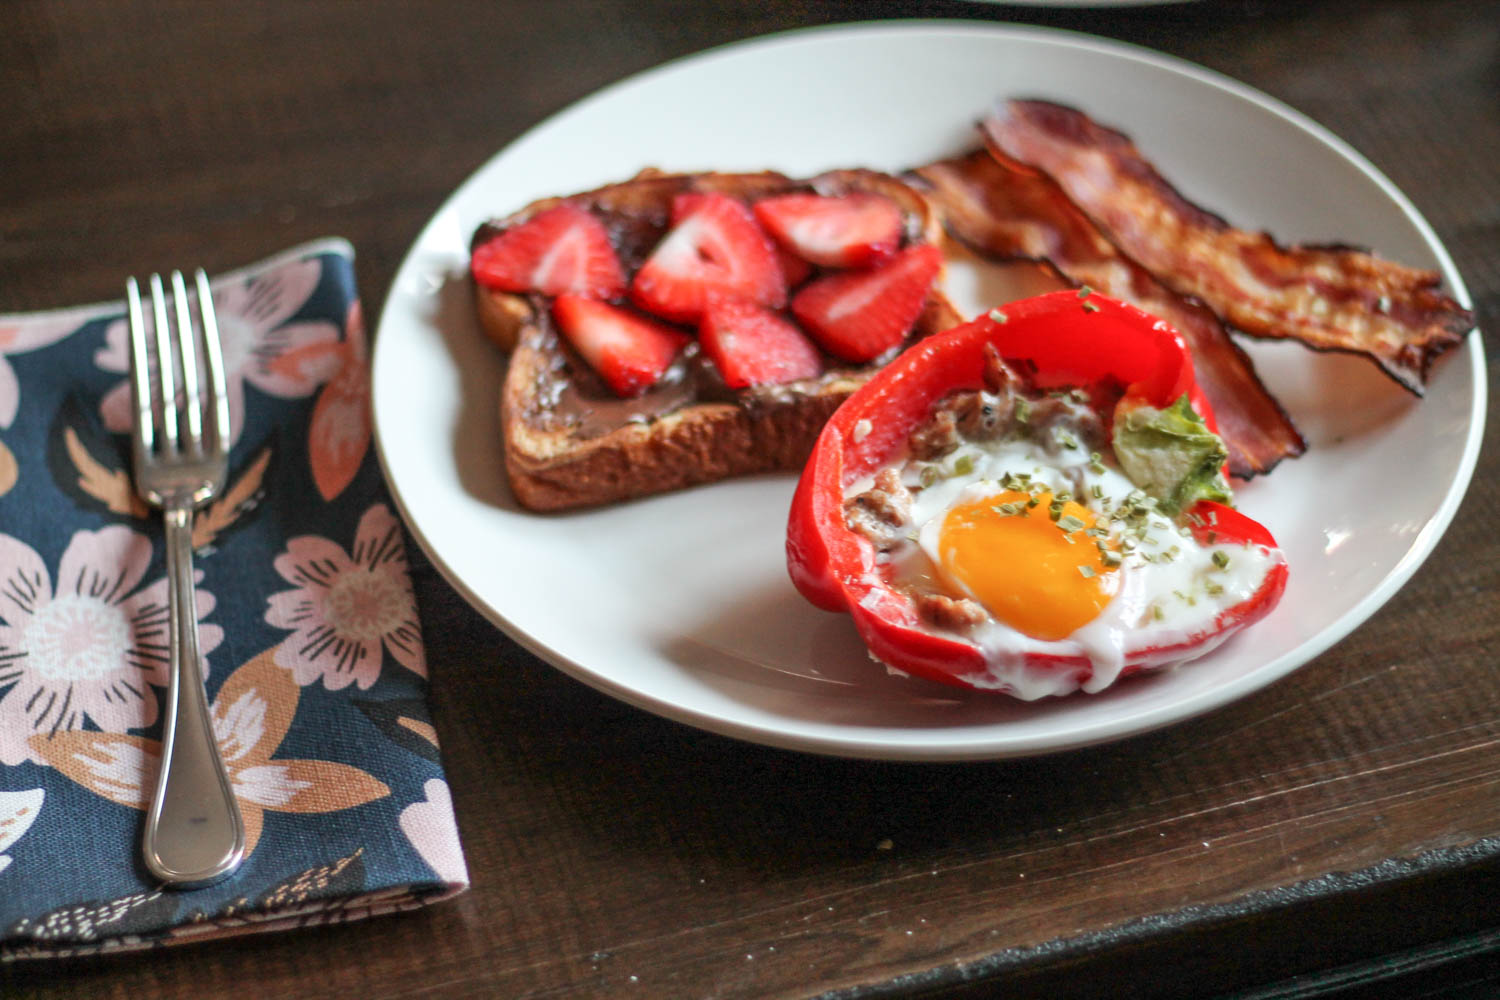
{"points": [[680, 604]]}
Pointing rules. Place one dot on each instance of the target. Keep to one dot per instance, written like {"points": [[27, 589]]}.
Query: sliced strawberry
{"points": [[563, 250], [859, 315], [850, 230], [714, 246], [752, 345], [629, 351], [794, 268]]}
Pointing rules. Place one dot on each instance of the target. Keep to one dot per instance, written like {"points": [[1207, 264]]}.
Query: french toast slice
{"points": [[571, 441]]}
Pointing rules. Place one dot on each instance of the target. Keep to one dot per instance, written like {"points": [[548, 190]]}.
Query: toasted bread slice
{"points": [[571, 442]]}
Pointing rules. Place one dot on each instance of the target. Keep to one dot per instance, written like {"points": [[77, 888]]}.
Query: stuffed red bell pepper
{"points": [[1034, 502]]}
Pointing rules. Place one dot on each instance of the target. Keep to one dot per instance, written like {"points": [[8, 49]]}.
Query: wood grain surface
{"points": [[1349, 812]]}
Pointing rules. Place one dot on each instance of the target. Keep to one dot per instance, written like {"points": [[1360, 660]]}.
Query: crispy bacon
{"points": [[1008, 213], [1329, 297]]}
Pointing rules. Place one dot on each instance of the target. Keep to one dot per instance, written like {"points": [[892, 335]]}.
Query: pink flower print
{"points": [[347, 606], [88, 649], [20, 334], [287, 360], [431, 829]]}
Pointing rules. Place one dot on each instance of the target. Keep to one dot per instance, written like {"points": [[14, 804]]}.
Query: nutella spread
{"points": [[568, 395]]}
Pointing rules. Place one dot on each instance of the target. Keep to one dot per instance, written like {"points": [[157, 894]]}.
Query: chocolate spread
{"points": [[568, 395]]}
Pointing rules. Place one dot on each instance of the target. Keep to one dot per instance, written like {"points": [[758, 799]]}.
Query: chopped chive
{"points": [[963, 465], [1069, 524], [1087, 571], [1221, 558], [999, 316]]}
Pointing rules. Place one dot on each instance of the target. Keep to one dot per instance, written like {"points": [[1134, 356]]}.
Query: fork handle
{"points": [[194, 833]]}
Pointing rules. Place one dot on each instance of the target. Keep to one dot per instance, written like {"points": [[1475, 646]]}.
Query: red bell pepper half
{"points": [[1070, 339]]}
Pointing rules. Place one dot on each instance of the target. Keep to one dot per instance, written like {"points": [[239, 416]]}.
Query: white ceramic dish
{"points": [[680, 604]]}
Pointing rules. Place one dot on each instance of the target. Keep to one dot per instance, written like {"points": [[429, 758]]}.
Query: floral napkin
{"points": [[308, 624]]}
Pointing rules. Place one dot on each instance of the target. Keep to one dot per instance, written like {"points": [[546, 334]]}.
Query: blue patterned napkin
{"points": [[315, 666]]}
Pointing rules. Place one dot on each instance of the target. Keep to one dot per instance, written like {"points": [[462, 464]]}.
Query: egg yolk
{"points": [[1042, 576]]}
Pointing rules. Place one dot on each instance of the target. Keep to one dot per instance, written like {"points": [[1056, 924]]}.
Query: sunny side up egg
{"points": [[1065, 555]]}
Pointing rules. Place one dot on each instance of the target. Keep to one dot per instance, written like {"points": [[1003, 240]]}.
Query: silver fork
{"points": [[194, 832]]}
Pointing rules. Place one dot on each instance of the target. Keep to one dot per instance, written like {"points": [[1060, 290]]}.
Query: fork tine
{"points": [[214, 355], [188, 355], [164, 376], [140, 373]]}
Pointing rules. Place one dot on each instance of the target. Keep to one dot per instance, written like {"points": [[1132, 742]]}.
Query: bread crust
{"points": [[569, 443]]}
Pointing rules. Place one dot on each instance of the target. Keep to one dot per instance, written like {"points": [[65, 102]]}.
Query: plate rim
{"points": [[966, 749]]}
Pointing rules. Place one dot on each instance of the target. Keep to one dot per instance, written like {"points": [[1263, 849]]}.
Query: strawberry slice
{"points": [[752, 345], [715, 246], [851, 230], [629, 351], [793, 268], [563, 250], [860, 315]]}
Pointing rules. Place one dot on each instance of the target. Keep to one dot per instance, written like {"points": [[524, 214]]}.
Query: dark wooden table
{"points": [[1339, 828]]}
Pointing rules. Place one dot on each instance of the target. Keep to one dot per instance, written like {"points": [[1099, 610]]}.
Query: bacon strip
{"points": [[1328, 297], [1008, 213]]}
